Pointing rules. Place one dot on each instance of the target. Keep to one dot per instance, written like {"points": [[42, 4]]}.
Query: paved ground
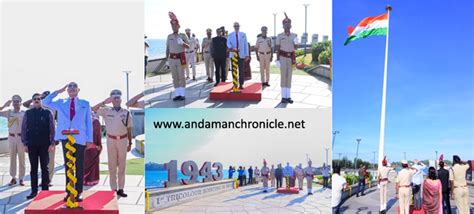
{"points": [[251, 199], [370, 202], [13, 199], [307, 92]]}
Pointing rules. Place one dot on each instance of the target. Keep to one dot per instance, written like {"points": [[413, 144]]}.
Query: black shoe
{"points": [[267, 84], [241, 88], [363, 194], [182, 98], [31, 196], [290, 101], [121, 193], [194, 78], [301, 188], [357, 195], [310, 193], [79, 198], [216, 84], [284, 100], [177, 98], [382, 212]]}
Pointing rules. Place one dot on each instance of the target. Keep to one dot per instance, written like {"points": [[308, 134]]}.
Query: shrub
{"points": [[324, 57], [319, 47]]}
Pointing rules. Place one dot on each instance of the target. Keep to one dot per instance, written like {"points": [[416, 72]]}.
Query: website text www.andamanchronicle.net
{"points": [[236, 124]]}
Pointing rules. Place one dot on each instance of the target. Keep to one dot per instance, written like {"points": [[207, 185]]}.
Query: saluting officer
{"points": [[459, 190], [265, 175], [382, 175], [15, 120], [175, 45], [309, 173], [190, 53], [286, 44], [118, 124], [299, 173], [403, 187], [263, 50]]}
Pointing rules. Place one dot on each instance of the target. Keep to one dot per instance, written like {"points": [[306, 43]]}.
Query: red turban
{"points": [[384, 162], [173, 18]]}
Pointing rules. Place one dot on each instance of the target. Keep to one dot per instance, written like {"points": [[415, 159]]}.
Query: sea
{"points": [[157, 48], [3, 127], [156, 178]]}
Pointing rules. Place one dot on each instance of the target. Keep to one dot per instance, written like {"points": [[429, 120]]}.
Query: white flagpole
{"points": [[384, 92]]}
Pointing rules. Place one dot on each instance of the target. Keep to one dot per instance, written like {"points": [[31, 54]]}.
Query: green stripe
{"points": [[367, 33]]}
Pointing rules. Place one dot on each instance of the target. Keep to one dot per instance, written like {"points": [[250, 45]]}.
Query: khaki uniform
{"points": [[309, 173], [177, 70], [287, 44], [15, 120], [117, 124], [404, 190], [265, 176], [272, 177], [191, 56], [264, 50], [382, 173], [457, 175], [299, 173], [208, 61]]}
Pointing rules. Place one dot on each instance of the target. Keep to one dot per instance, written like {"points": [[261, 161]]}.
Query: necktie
{"points": [[237, 39], [72, 109]]}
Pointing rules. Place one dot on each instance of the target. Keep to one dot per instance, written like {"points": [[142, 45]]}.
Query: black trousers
{"points": [[146, 63], [325, 182], [361, 186], [279, 182], [241, 180], [39, 153], [79, 155], [250, 179], [446, 203], [220, 70]]}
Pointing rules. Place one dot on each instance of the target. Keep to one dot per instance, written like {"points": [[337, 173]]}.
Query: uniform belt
{"points": [[286, 54], [405, 186], [384, 179], [117, 137], [14, 135], [460, 186], [189, 51], [175, 55], [265, 52]]}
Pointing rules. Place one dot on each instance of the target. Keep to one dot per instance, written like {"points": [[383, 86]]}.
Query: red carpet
{"points": [[51, 202], [292, 190], [413, 211], [252, 92]]}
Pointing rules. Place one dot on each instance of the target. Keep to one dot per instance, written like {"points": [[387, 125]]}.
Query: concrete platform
{"points": [[223, 92]]}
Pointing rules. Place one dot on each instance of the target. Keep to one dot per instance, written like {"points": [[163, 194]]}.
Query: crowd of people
{"points": [[181, 49], [273, 176], [38, 130], [431, 192]]}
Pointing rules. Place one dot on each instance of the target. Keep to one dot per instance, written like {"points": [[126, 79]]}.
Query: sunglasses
{"points": [[36, 99], [72, 86], [16, 101]]}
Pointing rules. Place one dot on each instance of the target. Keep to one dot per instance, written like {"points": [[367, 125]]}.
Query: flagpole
{"points": [[388, 8]]}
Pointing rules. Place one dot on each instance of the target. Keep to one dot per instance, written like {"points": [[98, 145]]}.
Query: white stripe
{"points": [[373, 25]]}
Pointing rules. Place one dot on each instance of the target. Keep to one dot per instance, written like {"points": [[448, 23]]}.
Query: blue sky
{"points": [[430, 94]]}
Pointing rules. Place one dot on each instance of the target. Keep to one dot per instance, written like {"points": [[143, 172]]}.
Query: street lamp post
{"points": [[305, 25], [275, 24], [357, 153], [126, 78], [327, 161], [334, 133]]}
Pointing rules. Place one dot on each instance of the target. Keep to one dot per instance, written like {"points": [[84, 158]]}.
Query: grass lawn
{"points": [[134, 166]]}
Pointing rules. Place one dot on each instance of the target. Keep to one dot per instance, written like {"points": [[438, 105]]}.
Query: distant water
{"points": [[157, 48], [3, 127], [157, 178]]}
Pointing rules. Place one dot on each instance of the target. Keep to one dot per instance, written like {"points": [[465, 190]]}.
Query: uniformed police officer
{"points": [[265, 171], [264, 52], [403, 187], [272, 176], [299, 173], [459, 190], [118, 124], [206, 52], [382, 175], [15, 120], [309, 173], [286, 44], [175, 45], [190, 54]]}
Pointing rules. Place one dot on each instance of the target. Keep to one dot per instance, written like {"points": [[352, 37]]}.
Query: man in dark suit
{"points": [[37, 133], [219, 54], [443, 175]]}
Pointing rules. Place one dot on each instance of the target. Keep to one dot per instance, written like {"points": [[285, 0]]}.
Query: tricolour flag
{"points": [[370, 26]]}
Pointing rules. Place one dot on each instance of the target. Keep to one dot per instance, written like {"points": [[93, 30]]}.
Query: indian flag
{"points": [[370, 26]]}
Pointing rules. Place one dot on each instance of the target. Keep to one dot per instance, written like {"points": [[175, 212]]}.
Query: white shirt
{"points": [[417, 178], [338, 183]]}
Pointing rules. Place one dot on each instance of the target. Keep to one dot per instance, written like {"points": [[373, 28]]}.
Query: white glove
{"points": [[277, 63], [295, 40], [167, 63], [180, 41]]}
